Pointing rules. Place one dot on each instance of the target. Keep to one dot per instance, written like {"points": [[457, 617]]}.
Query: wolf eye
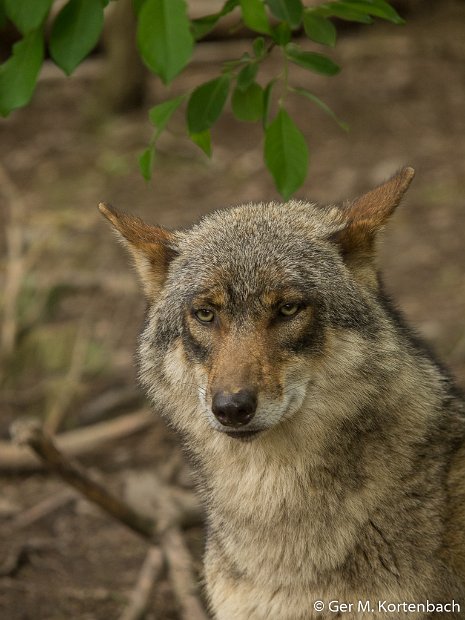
{"points": [[288, 309], [205, 315]]}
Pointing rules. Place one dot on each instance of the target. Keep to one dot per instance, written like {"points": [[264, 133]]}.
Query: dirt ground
{"points": [[402, 91]]}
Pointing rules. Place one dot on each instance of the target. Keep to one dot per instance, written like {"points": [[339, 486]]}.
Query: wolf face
{"points": [[252, 310]]}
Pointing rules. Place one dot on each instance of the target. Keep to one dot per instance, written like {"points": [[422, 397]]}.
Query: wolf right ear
{"points": [[367, 214], [152, 247], [364, 217]]}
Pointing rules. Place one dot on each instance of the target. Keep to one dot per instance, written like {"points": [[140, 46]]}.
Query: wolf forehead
{"points": [[258, 246], [331, 247]]}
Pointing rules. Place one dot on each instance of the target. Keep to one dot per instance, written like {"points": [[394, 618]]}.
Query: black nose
{"points": [[234, 409]]}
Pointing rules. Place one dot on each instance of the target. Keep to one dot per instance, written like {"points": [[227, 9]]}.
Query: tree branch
{"points": [[78, 442], [29, 433], [150, 571]]}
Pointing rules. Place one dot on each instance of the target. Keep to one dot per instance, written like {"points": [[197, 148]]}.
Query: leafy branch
{"points": [[166, 39]]}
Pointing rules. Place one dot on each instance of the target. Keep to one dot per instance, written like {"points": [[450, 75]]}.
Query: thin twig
{"points": [[42, 509], [78, 442], [171, 540], [14, 262], [180, 573], [67, 387], [30, 433], [149, 573]]}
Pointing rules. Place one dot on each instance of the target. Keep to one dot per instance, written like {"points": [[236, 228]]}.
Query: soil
{"points": [[402, 91]]}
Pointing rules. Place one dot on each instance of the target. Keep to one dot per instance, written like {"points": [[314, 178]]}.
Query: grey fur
{"points": [[354, 490]]}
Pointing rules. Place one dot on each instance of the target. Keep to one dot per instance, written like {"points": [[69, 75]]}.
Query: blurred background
{"points": [[70, 304]]}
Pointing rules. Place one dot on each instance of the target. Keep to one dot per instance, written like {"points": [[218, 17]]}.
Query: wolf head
{"points": [[259, 309]]}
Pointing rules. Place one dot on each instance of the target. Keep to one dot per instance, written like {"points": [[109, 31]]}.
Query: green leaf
{"points": [[206, 104], [267, 101], [203, 141], [75, 32], [254, 16], [286, 154], [247, 76], [289, 11], [164, 38], [3, 18], [377, 8], [322, 105], [161, 113], [281, 33], [18, 75], [319, 28], [311, 60], [137, 5], [229, 6], [2, 15], [203, 25], [259, 47], [27, 15], [247, 105], [343, 11], [146, 161]]}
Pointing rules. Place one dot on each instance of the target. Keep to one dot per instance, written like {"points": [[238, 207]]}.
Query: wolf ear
{"points": [[364, 217], [152, 247]]}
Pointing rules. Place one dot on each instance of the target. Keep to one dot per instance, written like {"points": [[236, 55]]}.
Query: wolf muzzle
{"points": [[234, 409]]}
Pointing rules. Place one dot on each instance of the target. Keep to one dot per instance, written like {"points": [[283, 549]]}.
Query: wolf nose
{"points": [[234, 409]]}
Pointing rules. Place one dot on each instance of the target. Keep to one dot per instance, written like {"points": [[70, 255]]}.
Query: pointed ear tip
{"points": [[108, 211], [408, 173]]}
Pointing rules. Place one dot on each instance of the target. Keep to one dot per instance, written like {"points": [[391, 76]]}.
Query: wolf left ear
{"points": [[152, 247], [364, 217]]}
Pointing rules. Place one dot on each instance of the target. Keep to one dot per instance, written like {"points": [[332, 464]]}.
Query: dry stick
{"points": [[78, 442], [67, 388], [14, 264], [180, 572], [45, 507], [31, 434], [149, 573]]}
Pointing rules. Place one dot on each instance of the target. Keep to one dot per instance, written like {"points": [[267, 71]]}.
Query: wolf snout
{"points": [[234, 409]]}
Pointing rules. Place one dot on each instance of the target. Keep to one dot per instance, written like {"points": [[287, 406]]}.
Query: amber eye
{"points": [[205, 315], [288, 309]]}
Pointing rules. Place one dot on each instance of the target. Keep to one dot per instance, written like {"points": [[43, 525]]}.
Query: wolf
{"points": [[327, 441]]}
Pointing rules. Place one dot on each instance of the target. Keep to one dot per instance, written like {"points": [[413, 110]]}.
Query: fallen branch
{"points": [[69, 385], [45, 507], [180, 573], [150, 571], [29, 433], [78, 442]]}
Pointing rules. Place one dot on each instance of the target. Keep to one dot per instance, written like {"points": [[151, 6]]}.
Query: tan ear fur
{"points": [[151, 247], [364, 217]]}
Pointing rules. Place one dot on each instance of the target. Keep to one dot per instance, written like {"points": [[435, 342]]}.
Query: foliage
{"points": [[166, 39]]}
